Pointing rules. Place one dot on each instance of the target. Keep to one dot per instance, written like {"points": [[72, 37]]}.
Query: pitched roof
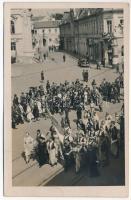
{"points": [[46, 24], [37, 18]]}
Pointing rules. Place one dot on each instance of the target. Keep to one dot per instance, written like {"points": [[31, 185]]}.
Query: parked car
{"points": [[82, 62]]}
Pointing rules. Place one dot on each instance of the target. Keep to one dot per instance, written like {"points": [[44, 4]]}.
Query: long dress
{"points": [[114, 142], [77, 159], [52, 150], [42, 150], [36, 111], [39, 107], [29, 113], [28, 147]]}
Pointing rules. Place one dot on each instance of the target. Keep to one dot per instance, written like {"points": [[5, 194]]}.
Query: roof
{"points": [[37, 18], [46, 24]]}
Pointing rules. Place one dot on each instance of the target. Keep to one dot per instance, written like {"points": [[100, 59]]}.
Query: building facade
{"points": [[21, 38], [45, 35], [97, 33]]}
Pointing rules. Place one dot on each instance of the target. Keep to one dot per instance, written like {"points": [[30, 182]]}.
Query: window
{"points": [[13, 46], [49, 30], [50, 39], [56, 30], [12, 27], [35, 31], [43, 30], [109, 26]]}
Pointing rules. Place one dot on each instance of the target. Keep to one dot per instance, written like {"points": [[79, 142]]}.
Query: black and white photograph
{"points": [[67, 96]]}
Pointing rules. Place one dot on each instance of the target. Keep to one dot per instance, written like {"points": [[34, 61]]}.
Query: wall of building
{"points": [[92, 35], [51, 35], [113, 47], [22, 32]]}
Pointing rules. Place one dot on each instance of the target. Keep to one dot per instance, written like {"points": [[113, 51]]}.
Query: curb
{"points": [[43, 183]]}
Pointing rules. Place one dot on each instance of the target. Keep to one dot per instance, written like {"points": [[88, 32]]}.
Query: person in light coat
{"points": [[28, 146], [52, 151], [29, 114]]}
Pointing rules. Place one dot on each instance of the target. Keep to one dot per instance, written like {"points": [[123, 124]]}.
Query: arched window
{"points": [[12, 27]]}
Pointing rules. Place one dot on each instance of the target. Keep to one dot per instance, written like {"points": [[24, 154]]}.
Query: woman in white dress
{"points": [[85, 98], [52, 151], [28, 146], [39, 107], [29, 114]]}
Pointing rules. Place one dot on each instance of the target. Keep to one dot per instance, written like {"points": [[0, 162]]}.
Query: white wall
{"points": [[52, 34]]}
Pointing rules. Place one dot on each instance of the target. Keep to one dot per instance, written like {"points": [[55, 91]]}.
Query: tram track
{"points": [[21, 172]]}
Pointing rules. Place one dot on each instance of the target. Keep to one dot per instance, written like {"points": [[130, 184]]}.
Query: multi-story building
{"points": [[45, 35], [96, 32], [21, 38], [67, 31]]}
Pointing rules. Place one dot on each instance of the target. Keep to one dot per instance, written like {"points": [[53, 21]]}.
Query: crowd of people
{"points": [[93, 144], [94, 140]]}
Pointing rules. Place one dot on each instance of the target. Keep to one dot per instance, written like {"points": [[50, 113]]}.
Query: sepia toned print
{"points": [[67, 96]]}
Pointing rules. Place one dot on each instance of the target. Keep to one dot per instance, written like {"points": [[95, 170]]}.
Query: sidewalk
{"points": [[32, 175]]}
